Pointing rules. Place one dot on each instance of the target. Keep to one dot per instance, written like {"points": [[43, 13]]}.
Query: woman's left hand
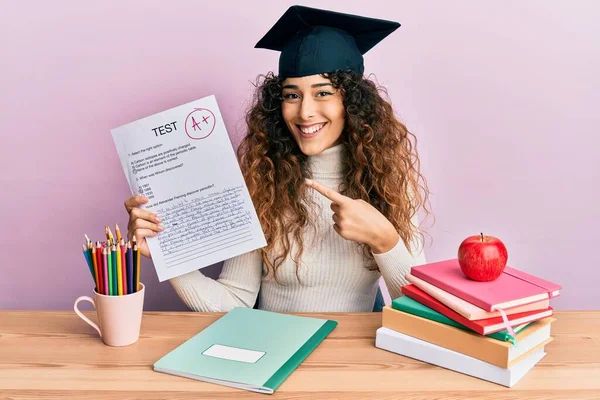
{"points": [[359, 221]]}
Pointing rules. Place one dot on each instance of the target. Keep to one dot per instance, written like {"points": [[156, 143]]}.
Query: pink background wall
{"points": [[503, 98]]}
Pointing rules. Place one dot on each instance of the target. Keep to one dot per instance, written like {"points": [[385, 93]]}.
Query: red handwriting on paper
{"points": [[200, 123]]}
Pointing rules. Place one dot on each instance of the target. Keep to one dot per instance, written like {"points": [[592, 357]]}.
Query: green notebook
{"points": [[412, 306], [247, 349]]}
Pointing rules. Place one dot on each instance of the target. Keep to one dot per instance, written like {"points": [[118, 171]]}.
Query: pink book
{"points": [[466, 309], [512, 288]]}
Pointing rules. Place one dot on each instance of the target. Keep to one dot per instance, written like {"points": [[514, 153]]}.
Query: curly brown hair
{"points": [[381, 165]]}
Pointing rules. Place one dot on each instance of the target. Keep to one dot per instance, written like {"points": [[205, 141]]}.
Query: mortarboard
{"points": [[314, 41]]}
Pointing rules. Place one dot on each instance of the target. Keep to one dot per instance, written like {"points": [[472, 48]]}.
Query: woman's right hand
{"points": [[142, 223]]}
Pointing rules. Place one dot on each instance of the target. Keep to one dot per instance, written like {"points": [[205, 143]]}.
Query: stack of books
{"points": [[496, 331]]}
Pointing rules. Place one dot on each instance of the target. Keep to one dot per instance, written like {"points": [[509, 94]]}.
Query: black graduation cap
{"points": [[314, 41]]}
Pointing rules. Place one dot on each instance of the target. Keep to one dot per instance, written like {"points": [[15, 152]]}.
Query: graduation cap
{"points": [[314, 41]]}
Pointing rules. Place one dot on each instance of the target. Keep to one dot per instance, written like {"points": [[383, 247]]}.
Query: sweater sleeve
{"points": [[396, 262], [237, 285]]}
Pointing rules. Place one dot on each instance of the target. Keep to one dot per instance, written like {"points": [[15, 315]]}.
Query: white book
{"points": [[409, 346]]}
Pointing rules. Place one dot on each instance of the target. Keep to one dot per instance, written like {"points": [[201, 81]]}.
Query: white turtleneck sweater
{"points": [[333, 277]]}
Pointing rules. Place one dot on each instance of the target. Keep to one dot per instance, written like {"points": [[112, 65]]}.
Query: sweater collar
{"points": [[328, 162]]}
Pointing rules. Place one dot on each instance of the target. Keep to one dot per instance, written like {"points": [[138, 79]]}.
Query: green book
{"points": [[413, 307], [247, 349]]}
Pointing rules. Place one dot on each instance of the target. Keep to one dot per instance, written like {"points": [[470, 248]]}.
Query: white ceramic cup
{"points": [[119, 317]]}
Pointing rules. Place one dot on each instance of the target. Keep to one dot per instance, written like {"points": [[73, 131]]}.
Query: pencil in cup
{"points": [[123, 266], [88, 260], [114, 266], [101, 270], [129, 268], [95, 264], [109, 266], [136, 252]]}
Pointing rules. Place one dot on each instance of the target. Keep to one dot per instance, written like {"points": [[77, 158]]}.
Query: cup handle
{"points": [[83, 317]]}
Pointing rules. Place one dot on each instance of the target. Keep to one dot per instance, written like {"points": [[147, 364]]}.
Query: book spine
{"points": [[455, 291], [445, 311], [449, 300], [437, 316], [433, 315], [290, 365]]}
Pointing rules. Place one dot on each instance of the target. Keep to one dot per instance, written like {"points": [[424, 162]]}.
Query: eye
{"points": [[290, 96], [324, 93]]}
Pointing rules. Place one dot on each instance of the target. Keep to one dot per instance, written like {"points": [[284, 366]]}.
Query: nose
{"points": [[307, 108]]}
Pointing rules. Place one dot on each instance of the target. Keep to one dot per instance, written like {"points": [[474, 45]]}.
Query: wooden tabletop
{"points": [[56, 355]]}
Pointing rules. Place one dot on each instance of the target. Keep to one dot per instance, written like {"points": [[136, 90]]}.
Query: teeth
{"points": [[311, 129]]}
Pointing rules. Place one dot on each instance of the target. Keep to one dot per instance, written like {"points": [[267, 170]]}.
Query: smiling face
{"points": [[313, 112]]}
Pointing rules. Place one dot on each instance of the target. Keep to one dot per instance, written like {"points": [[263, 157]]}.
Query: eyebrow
{"points": [[312, 86]]}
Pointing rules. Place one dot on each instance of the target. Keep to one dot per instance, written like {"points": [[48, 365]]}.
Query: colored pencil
{"points": [[110, 271], [118, 233], [90, 256], [129, 268], [135, 267], [88, 261], [94, 263], [119, 271], [134, 246], [116, 277], [114, 249], [137, 273], [111, 274], [106, 271], [110, 235], [100, 288], [113, 263], [124, 266]]}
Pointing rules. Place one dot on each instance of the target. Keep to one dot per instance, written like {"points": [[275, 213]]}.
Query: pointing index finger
{"points": [[327, 192]]}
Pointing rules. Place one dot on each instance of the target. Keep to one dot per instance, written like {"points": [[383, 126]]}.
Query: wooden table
{"points": [[56, 355]]}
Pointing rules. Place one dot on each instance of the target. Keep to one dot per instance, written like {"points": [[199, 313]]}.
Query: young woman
{"points": [[332, 173]]}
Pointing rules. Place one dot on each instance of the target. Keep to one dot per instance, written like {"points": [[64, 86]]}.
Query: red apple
{"points": [[482, 258]]}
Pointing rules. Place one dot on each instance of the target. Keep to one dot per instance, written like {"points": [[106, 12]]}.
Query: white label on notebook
{"points": [[233, 353]]}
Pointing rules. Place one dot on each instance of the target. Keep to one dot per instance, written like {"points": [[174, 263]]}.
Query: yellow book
{"points": [[493, 351]]}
